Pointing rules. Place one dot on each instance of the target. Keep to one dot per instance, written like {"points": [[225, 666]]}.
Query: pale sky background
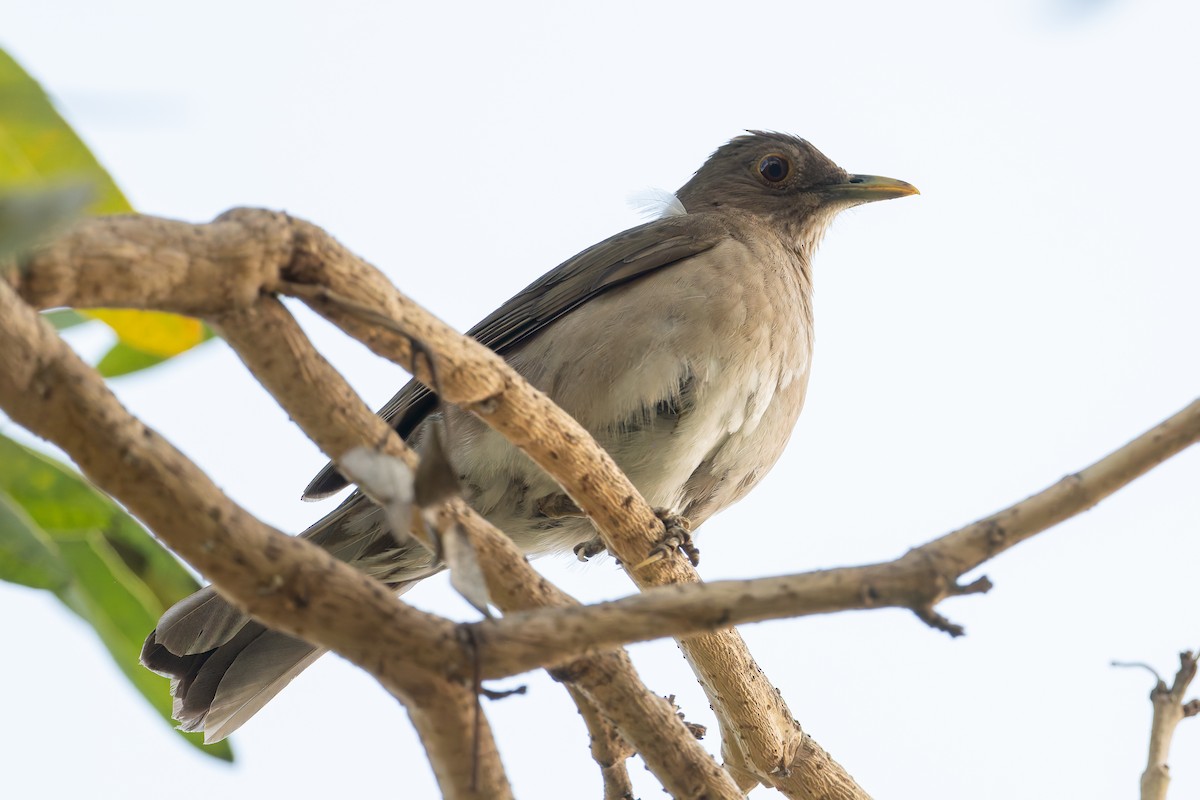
{"points": [[1037, 306]]}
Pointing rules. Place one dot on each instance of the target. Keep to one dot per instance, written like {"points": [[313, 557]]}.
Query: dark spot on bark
{"points": [[567, 674]]}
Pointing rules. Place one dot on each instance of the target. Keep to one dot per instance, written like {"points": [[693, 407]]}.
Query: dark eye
{"points": [[774, 168]]}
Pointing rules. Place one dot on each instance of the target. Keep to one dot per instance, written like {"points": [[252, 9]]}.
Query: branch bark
{"points": [[226, 272], [917, 581], [152, 263], [1169, 710], [286, 582], [318, 398], [609, 749], [761, 740]]}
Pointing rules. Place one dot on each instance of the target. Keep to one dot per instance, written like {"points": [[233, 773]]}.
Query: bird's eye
{"points": [[774, 168]]}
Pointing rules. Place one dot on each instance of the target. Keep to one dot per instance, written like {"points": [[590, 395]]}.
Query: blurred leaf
{"points": [[58, 532], [28, 216], [119, 606], [38, 146], [61, 501], [27, 555], [122, 359], [63, 318], [154, 332]]}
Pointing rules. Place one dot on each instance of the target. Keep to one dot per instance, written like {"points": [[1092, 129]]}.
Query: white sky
{"points": [[1036, 307]]}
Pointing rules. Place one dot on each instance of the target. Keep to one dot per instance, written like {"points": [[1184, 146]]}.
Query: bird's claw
{"points": [[677, 538], [592, 547]]}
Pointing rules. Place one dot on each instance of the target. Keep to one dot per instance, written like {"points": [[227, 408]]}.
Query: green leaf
{"points": [[123, 359], [28, 216], [63, 318], [57, 531], [27, 555], [61, 501], [122, 610], [37, 145]]}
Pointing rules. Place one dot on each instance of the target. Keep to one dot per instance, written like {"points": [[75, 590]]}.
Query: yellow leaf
{"points": [[153, 331]]}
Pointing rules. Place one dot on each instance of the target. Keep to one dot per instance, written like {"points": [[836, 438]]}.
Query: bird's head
{"points": [[786, 180]]}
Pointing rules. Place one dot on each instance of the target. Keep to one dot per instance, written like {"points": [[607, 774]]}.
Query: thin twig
{"points": [[1169, 710]]}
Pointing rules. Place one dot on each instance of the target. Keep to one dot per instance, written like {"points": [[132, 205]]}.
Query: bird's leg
{"points": [[677, 537]]}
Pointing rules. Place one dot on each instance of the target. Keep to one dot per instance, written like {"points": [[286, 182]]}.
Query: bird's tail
{"points": [[223, 665]]}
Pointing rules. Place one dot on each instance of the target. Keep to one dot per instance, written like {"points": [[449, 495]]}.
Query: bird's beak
{"points": [[867, 188]]}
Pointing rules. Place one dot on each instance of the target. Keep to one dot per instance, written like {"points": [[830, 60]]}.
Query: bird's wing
{"points": [[613, 262]]}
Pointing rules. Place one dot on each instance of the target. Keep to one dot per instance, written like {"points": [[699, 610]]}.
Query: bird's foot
{"points": [[592, 547], [677, 537]]}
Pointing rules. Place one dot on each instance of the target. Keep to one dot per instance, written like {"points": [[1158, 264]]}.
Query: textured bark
{"points": [[264, 251], [917, 581], [1169, 710], [228, 272], [286, 582]]}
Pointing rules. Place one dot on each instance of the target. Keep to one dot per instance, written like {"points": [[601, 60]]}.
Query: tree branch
{"points": [[318, 398], [288, 583], [760, 737], [149, 263], [223, 270], [609, 750], [1169, 711], [918, 580]]}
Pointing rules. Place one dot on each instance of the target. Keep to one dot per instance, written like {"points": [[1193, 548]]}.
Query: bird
{"points": [[683, 345]]}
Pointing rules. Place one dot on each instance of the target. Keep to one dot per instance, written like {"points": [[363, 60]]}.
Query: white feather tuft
{"points": [[657, 203]]}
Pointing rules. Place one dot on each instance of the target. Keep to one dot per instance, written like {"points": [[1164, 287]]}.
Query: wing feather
{"points": [[614, 262]]}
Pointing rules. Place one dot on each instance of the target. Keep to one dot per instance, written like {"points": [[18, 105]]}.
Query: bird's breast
{"points": [[691, 378]]}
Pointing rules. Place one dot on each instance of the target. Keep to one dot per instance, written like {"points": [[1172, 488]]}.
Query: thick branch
{"points": [[760, 736], [288, 583], [214, 269], [317, 397]]}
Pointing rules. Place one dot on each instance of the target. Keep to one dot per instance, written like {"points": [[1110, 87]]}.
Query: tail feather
{"points": [[198, 623], [257, 674], [218, 689], [225, 666]]}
